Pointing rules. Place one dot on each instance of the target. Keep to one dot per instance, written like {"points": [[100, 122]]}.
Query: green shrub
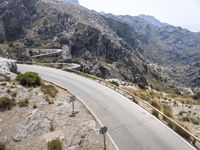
{"points": [[49, 90], [55, 145], [6, 103], [35, 106], [7, 78], [2, 146], [114, 83], [24, 103], [30, 79]]}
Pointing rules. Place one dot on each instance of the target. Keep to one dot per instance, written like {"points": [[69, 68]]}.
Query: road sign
{"points": [[72, 98], [103, 130]]}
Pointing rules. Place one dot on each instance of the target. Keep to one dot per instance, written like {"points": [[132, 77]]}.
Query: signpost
{"points": [[72, 100], [103, 131]]}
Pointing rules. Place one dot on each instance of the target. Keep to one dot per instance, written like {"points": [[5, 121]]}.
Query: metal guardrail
{"points": [[175, 126]]}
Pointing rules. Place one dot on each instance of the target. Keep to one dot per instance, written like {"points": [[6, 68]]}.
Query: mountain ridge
{"points": [[105, 45]]}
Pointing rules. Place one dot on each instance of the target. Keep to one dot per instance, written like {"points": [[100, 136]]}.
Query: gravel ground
{"points": [[28, 128]]}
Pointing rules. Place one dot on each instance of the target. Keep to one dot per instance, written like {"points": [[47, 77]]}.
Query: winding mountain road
{"points": [[130, 126]]}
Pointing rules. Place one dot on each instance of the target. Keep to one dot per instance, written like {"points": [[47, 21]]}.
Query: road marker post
{"points": [[72, 99], [103, 131]]}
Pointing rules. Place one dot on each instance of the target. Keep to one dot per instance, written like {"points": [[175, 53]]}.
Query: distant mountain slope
{"points": [[175, 48], [153, 21], [87, 36], [104, 44], [74, 2]]}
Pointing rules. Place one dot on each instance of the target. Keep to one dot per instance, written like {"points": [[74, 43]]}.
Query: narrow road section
{"points": [[130, 126]]}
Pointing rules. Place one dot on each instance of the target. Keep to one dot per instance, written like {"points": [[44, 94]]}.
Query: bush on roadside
{"points": [[55, 144], [30, 79], [6, 103]]}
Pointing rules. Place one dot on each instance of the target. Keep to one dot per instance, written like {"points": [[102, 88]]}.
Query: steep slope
{"points": [[90, 40], [153, 21], [174, 48]]}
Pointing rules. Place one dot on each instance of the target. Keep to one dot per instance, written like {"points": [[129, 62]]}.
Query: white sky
{"points": [[184, 13]]}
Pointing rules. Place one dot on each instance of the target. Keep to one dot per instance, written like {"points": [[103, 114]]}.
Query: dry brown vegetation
{"points": [[49, 90], [55, 144]]}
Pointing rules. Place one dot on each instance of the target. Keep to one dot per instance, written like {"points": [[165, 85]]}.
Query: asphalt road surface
{"points": [[130, 126]]}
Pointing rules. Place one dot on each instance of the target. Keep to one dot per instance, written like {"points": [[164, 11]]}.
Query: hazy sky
{"points": [[184, 13]]}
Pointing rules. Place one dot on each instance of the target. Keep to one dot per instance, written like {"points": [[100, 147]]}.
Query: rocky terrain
{"points": [[37, 118]]}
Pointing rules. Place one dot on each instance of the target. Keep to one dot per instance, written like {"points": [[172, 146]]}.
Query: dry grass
{"points": [[49, 90], [167, 111], [2, 146], [182, 132], [48, 99], [156, 104], [24, 103], [155, 113], [55, 144]]}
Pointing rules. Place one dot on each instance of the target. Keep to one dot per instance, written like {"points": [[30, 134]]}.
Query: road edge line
{"points": [[90, 110]]}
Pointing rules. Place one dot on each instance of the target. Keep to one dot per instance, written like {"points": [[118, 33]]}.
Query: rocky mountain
{"points": [[152, 20], [174, 48], [84, 34], [74, 2], [104, 45]]}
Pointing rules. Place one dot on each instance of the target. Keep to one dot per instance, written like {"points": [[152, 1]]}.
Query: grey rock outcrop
{"points": [[37, 124], [7, 68]]}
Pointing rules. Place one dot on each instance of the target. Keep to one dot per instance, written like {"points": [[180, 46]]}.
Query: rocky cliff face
{"points": [[104, 45], [174, 48], [90, 40]]}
